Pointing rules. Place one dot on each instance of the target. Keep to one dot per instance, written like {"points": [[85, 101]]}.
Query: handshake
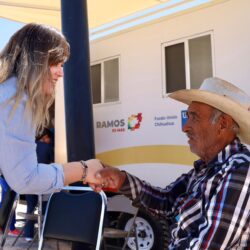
{"points": [[100, 176]]}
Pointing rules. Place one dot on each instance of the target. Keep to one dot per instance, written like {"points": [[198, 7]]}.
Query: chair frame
{"points": [[32, 217], [76, 188], [7, 227], [13, 205], [118, 203]]}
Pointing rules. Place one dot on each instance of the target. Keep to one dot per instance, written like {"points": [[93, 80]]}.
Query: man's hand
{"points": [[109, 179]]}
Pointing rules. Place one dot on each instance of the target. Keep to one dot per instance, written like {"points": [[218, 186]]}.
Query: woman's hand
{"points": [[75, 171], [94, 165]]}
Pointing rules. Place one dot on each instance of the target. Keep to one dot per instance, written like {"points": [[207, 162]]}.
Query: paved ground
{"points": [[23, 244], [49, 245]]}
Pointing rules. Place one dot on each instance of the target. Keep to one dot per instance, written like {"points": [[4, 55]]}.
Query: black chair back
{"points": [[74, 217]]}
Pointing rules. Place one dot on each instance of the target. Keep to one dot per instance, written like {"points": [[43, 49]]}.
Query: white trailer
{"points": [[137, 127]]}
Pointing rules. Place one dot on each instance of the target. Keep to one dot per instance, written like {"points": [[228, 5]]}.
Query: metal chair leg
{"points": [[33, 240], [17, 238], [129, 233], [6, 230]]}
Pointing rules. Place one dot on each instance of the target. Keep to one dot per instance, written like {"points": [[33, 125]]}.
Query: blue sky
{"points": [[7, 28]]}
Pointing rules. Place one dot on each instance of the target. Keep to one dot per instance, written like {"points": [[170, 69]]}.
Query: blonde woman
{"points": [[30, 66]]}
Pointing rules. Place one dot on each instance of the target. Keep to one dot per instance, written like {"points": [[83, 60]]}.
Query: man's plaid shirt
{"points": [[210, 205]]}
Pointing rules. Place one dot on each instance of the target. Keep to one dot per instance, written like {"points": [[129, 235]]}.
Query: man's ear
{"points": [[223, 122], [226, 122]]}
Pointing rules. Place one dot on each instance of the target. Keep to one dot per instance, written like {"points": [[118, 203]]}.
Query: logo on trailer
{"points": [[119, 125], [134, 122], [184, 118]]}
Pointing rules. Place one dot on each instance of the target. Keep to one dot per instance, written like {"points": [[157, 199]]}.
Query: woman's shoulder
{"points": [[16, 121], [8, 89]]}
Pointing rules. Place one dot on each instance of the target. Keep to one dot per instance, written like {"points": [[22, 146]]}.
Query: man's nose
{"points": [[185, 127]]}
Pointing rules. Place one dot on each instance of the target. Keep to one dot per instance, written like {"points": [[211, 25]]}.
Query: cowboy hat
{"points": [[223, 96]]}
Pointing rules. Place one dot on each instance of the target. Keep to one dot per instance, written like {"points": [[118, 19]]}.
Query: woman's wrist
{"points": [[85, 171]]}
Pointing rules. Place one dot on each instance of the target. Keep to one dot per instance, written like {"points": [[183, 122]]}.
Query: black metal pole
{"points": [[77, 86]]}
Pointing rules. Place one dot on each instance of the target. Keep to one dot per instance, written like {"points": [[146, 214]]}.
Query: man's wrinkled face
{"points": [[202, 134]]}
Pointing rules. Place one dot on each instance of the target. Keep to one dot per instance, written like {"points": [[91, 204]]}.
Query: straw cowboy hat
{"points": [[223, 96]]}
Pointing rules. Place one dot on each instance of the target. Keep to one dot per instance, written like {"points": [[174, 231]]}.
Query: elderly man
{"points": [[210, 205]]}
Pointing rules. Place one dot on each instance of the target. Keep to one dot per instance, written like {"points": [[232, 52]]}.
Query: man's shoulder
{"points": [[240, 162], [242, 155]]}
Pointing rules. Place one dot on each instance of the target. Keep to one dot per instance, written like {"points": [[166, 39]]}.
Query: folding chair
{"points": [[30, 217], [8, 206], [119, 203], [37, 218], [74, 217]]}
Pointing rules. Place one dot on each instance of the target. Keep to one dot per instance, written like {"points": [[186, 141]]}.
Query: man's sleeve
{"points": [[157, 200]]}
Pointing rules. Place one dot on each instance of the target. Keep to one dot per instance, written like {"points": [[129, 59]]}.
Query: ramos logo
{"points": [[134, 121]]}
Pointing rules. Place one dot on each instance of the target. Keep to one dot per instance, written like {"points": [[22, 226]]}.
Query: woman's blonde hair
{"points": [[28, 56]]}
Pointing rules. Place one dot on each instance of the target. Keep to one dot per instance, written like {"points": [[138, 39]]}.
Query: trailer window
{"points": [[200, 58], [105, 81], [111, 78], [187, 63], [175, 67], [96, 82]]}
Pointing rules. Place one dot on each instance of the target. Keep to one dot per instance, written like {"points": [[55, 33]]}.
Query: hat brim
{"points": [[239, 113]]}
